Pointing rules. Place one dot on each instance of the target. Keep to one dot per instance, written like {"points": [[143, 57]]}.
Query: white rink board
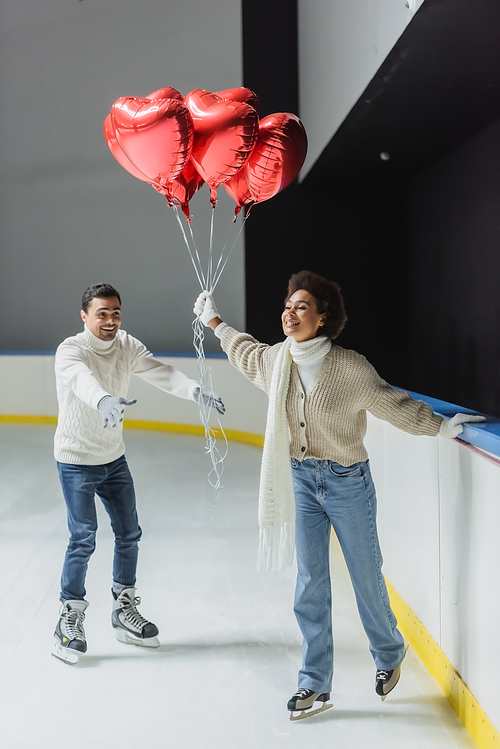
{"points": [[31, 391], [439, 518]]}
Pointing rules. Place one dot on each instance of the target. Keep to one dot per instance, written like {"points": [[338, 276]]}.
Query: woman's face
{"points": [[300, 318]]}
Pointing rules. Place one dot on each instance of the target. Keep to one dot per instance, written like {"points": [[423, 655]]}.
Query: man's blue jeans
{"points": [[114, 485], [327, 493]]}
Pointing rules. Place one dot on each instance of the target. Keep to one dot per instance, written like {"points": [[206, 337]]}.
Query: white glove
{"points": [[452, 428], [205, 308], [210, 399]]}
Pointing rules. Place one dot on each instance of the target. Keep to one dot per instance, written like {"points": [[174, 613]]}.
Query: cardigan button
{"points": [[303, 449], [302, 424]]}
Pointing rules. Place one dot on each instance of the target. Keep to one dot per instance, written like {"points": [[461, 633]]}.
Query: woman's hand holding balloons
{"points": [[205, 308]]}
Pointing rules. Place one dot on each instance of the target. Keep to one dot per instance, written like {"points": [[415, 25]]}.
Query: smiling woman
{"points": [[321, 302], [301, 319], [315, 472]]}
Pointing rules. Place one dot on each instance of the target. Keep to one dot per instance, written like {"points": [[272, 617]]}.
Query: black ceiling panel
{"points": [[438, 87]]}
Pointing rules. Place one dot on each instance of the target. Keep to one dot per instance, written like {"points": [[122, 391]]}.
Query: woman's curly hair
{"points": [[329, 300]]}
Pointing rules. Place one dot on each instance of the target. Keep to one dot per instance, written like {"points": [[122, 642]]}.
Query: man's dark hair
{"points": [[100, 290], [329, 300]]}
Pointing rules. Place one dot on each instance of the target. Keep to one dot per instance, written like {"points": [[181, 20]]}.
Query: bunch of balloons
{"points": [[176, 144]]}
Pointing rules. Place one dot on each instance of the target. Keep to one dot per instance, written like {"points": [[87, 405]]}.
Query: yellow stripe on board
{"points": [[22, 419], [481, 729], [232, 435]]}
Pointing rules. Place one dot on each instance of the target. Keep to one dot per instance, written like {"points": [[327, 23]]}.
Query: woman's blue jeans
{"points": [[114, 485], [327, 493]]}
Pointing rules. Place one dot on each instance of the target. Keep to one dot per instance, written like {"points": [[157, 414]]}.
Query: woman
{"points": [[318, 397]]}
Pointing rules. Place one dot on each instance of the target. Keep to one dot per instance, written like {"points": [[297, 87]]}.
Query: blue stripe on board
{"points": [[172, 354]]}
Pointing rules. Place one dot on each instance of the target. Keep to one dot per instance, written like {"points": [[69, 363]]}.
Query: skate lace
{"points": [[73, 621], [301, 693], [129, 610], [383, 675]]}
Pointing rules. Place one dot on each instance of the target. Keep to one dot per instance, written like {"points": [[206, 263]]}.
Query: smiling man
{"points": [[93, 371]]}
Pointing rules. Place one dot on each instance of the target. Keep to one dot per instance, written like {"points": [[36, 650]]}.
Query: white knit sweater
{"points": [[87, 369]]}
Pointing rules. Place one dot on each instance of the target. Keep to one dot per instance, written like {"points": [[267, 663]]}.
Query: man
{"points": [[93, 371]]}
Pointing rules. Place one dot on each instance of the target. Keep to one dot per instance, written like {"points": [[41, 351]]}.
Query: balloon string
{"points": [[211, 252], [205, 373], [219, 274], [197, 254], [197, 268], [205, 379]]}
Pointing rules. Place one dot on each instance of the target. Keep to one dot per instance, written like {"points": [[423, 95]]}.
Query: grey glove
{"points": [[452, 428], [209, 399], [112, 409]]}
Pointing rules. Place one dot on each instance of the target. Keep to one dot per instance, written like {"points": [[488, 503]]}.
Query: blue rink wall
{"points": [[439, 518]]}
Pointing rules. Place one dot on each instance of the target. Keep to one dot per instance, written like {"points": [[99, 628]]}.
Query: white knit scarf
{"points": [[276, 498]]}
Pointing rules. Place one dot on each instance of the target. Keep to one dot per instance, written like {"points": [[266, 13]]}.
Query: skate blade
{"points": [[65, 654], [308, 713], [129, 639]]}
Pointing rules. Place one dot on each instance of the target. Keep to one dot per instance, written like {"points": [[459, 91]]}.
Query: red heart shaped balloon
{"points": [[156, 136], [225, 133], [164, 93], [278, 155], [110, 137], [275, 161], [240, 94], [237, 187], [184, 187]]}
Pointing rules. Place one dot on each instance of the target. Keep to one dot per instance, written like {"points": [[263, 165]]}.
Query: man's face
{"points": [[103, 317]]}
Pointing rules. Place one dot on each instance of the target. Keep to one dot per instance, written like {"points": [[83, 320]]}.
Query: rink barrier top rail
{"points": [[484, 437]]}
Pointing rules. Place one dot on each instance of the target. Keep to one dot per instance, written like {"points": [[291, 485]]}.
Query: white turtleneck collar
{"points": [[96, 344]]}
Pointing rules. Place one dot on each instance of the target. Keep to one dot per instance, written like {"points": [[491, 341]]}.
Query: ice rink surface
{"points": [[230, 647]]}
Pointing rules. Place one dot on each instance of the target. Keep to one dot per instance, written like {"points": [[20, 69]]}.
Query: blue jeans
{"points": [[328, 493], [114, 485]]}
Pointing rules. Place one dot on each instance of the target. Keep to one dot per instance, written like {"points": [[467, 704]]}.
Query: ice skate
{"points": [[304, 700], [386, 680], [69, 634], [130, 627]]}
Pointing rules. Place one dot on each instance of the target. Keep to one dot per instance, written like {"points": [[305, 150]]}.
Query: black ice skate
{"points": [[130, 627], [69, 634], [386, 680], [304, 700]]}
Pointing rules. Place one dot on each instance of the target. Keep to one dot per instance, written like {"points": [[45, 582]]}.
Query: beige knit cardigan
{"points": [[330, 423]]}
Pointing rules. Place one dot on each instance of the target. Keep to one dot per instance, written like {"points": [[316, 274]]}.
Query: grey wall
{"points": [[70, 215]]}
